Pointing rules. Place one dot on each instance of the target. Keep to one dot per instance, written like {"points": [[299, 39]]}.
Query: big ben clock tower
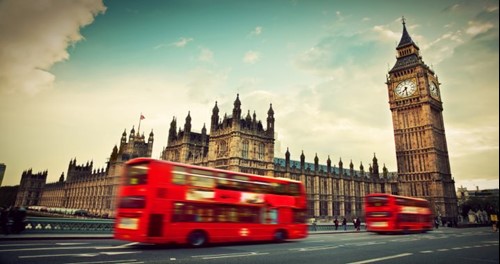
{"points": [[421, 149]]}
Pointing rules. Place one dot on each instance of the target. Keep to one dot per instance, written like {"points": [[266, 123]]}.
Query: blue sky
{"points": [[75, 74]]}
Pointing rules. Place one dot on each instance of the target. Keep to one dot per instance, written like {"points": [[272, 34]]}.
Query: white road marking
{"points": [[120, 246], [15, 245], [71, 244], [230, 255], [128, 261], [313, 248], [61, 255], [379, 259], [79, 254], [45, 248], [366, 243]]}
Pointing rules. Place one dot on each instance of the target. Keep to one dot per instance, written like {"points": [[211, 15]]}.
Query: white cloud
{"points": [[205, 82], [251, 57], [257, 31], [476, 28], [32, 46], [387, 34], [206, 55], [339, 15], [182, 42]]}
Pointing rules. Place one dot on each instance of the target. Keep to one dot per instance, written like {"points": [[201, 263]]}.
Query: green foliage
{"points": [[488, 204]]}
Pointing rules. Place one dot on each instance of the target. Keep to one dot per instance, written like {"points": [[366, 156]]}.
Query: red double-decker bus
{"points": [[163, 202], [386, 213]]}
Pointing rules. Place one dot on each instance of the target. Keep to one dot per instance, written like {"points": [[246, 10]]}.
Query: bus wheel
{"points": [[279, 236], [197, 238]]}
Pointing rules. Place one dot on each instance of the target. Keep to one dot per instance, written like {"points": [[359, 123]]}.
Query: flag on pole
{"points": [[142, 117]]}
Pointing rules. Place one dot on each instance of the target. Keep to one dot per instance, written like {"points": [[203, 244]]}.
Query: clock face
{"points": [[405, 88], [434, 90]]}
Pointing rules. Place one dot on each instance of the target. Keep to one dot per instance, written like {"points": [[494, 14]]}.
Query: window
{"points": [[137, 174], [261, 151], [244, 149], [201, 178], [132, 202], [179, 175], [197, 212], [222, 149]]}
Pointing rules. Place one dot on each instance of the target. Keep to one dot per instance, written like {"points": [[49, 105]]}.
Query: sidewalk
{"points": [[32, 236], [28, 236]]}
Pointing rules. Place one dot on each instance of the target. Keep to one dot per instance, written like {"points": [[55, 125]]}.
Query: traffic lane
{"points": [[325, 247], [345, 249]]}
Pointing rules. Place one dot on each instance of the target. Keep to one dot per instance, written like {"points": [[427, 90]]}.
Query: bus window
{"points": [[132, 202], [179, 175], [377, 200], [241, 182], [178, 212], [224, 183], [137, 174], [279, 188], [202, 179], [270, 216], [233, 214], [294, 189], [260, 187]]}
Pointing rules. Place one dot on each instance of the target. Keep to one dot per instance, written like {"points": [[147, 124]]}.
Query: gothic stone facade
{"points": [[85, 187], [241, 143]]}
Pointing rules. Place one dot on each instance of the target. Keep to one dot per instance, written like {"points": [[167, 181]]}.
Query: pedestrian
{"points": [[314, 225], [18, 217], [336, 222], [344, 224], [494, 220], [436, 223], [358, 224], [4, 220]]}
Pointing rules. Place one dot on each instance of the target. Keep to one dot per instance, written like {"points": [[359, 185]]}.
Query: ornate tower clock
{"points": [[421, 149]]}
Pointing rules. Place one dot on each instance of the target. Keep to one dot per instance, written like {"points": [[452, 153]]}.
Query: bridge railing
{"points": [[68, 225], [39, 225], [331, 227]]}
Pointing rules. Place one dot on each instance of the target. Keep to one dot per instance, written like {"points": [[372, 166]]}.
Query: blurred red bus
{"points": [[385, 213], [163, 202]]}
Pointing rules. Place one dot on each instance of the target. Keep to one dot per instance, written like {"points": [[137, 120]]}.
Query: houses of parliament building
{"points": [[238, 141]]}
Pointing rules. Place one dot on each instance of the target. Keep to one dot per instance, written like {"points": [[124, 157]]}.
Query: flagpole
{"points": [[139, 127]]}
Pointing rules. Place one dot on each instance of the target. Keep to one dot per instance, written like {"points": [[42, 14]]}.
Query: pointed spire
{"points": [[405, 38], [237, 111], [237, 102], [270, 112], [270, 120], [187, 125], [215, 110]]}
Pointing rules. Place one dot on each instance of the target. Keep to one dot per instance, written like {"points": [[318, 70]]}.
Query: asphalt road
{"points": [[445, 245]]}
